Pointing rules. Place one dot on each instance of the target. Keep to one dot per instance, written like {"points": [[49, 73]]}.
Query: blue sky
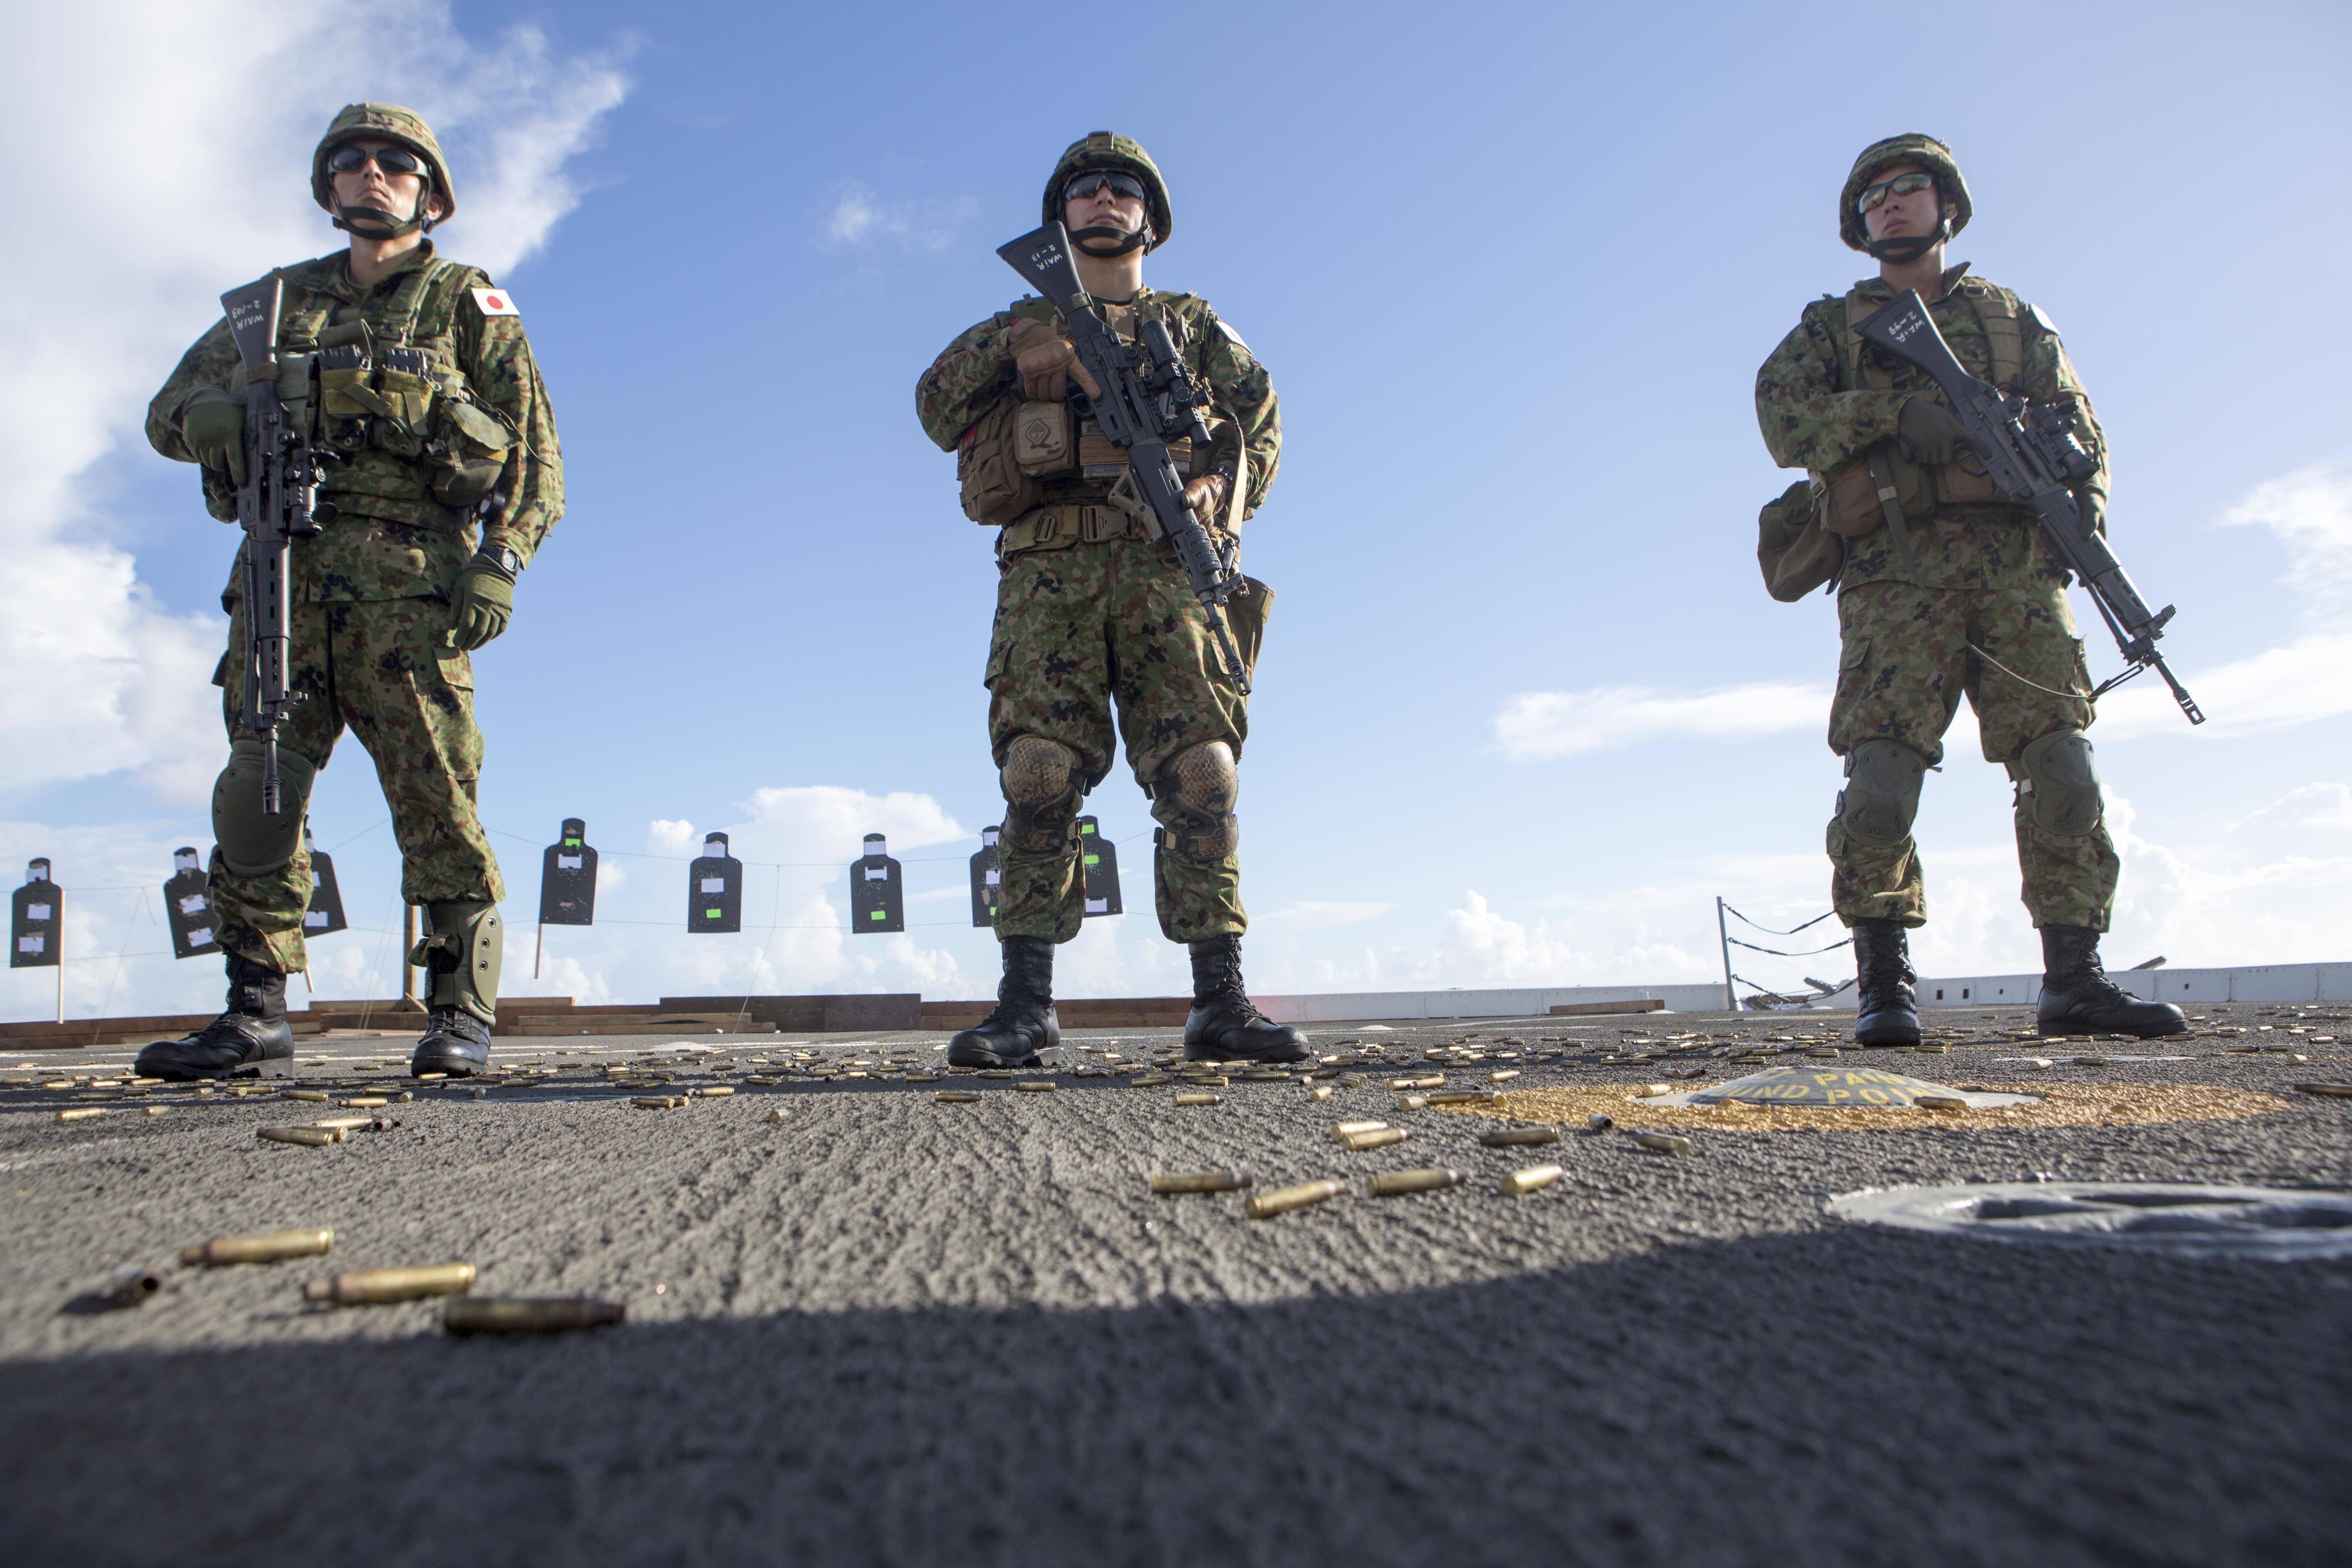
{"points": [[1523, 708]]}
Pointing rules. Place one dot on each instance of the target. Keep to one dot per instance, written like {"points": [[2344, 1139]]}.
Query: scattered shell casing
{"points": [[1282, 1200], [1205, 1080], [1501, 1077], [1529, 1180], [1429, 1081], [83, 1114], [157, 1109], [1396, 1183], [1941, 1101], [1411, 1102], [264, 1246], [1266, 1075], [1199, 1099], [1377, 1137], [2090, 1061], [658, 1101], [775, 1116], [1034, 1085], [1931, 1050], [1339, 1133], [131, 1285], [2334, 1090], [1321, 1091], [308, 1137], [370, 1286], [1200, 1181], [1353, 1080], [528, 1314], [345, 1123], [1510, 1137], [955, 1096], [1649, 1090], [315, 1096], [2037, 1064], [1148, 1080], [427, 1077], [1664, 1143], [1598, 1123], [361, 1102], [717, 1092], [1465, 1096]]}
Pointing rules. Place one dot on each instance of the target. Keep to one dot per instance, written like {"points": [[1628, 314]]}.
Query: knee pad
{"points": [[1882, 793], [2057, 785], [253, 843], [463, 952], [1041, 793], [1201, 782]]}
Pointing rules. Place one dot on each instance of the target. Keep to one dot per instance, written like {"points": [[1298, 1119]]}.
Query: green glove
{"points": [[2093, 506], [485, 598], [212, 425], [1929, 433]]}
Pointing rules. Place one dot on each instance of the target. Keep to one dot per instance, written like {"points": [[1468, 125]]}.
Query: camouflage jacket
{"points": [[1813, 416], [391, 539], [977, 369]]}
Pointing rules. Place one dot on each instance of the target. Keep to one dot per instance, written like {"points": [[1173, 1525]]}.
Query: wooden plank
{"points": [[1606, 1009]]}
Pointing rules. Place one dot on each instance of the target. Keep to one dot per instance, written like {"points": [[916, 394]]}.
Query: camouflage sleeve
{"points": [[497, 359], [2050, 378], [972, 373], [1244, 392], [1808, 422], [208, 363]]}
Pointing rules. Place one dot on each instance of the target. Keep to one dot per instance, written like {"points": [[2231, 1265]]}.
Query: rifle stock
{"points": [[2031, 454]]}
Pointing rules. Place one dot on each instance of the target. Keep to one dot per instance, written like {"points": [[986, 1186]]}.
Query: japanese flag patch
{"points": [[495, 301]]}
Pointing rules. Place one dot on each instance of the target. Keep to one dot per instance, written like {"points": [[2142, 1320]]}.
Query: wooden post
{"points": [[1723, 940]]}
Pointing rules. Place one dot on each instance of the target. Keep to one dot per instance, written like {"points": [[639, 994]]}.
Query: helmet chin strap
{"points": [[374, 223], [1128, 239], [1910, 247]]}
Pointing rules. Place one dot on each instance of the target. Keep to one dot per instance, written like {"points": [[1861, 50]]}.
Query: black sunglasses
{"points": [[1081, 187], [350, 159]]}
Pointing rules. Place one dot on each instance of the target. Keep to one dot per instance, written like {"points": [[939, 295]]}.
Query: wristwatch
{"points": [[499, 556]]}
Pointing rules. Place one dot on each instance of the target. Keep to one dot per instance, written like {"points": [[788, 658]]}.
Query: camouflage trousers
{"points": [[1904, 662], [383, 668], [1078, 630]]}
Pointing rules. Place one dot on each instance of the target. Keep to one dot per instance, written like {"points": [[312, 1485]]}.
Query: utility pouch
{"points": [[1847, 501], [1795, 552], [993, 487], [1100, 457], [472, 453], [1966, 483], [343, 390], [1245, 614], [406, 388], [1043, 445]]}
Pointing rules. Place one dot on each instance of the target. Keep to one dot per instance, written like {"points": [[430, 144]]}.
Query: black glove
{"points": [[1929, 433], [212, 425]]}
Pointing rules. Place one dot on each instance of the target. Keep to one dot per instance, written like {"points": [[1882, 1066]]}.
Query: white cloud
{"points": [[1537, 726], [1315, 914], [163, 178], [862, 219]]}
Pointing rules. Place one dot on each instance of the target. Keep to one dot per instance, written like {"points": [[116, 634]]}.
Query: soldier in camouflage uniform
{"points": [[1948, 589], [449, 478], [1090, 615]]}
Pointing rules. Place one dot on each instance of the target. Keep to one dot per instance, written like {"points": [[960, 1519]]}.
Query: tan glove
{"points": [[1045, 360], [1206, 498]]}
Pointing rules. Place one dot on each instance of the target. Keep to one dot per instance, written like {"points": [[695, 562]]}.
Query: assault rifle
{"points": [[1148, 400], [2030, 452], [277, 504]]}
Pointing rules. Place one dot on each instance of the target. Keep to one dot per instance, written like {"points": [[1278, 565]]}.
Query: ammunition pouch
{"points": [[1042, 441], [1795, 552], [989, 479], [252, 842], [1846, 501]]}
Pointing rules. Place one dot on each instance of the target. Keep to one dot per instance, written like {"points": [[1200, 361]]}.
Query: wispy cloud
{"points": [[1537, 726], [862, 219], [1314, 914]]}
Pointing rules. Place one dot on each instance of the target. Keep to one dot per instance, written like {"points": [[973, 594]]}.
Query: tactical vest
{"points": [[1848, 498], [419, 446]]}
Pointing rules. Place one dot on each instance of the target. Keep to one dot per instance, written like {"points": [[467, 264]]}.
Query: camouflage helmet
{"points": [[1102, 150], [1911, 148], [388, 122]]}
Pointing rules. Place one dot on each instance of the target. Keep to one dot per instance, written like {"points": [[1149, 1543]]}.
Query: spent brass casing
{"points": [[1205, 1080], [1599, 1122], [775, 1116], [315, 1096], [1533, 1177], [1465, 1096], [267, 1246], [956, 1096], [370, 1286], [718, 1091], [345, 1123], [1508, 1137], [83, 1114], [1664, 1143], [1339, 1133], [1282, 1200], [361, 1102], [1200, 1181], [131, 1285], [1034, 1086], [1396, 1183], [1939, 1101], [658, 1101], [1507, 1074], [528, 1314], [1148, 1080], [1321, 1091], [1199, 1099], [1378, 1138], [1411, 1102], [1431, 1080], [308, 1137]]}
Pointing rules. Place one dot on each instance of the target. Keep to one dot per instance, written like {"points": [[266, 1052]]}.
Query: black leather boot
{"points": [[1889, 1012], [251, 1039], [1222, 1026], [463, 954], [454, 1043], [2077, 997], [1021, 1023]]}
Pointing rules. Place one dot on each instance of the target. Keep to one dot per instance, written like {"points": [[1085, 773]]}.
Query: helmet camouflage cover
{"points": [[1102, 150], [1910, 148], [388, 122]]}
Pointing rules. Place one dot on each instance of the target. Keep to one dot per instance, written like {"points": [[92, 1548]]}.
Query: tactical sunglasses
{"points": [[1082, 186], [1875, 196], [350, 159]]}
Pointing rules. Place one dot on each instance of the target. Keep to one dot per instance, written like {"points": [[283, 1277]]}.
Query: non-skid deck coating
{"points": [[892, 1331]]}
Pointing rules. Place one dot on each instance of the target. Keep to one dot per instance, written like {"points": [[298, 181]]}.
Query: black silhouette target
{"points": [[877, 891], [987, 880], [1099, 859], [714, 889], [325, 915], [188, 906], [567, 878], [36, 919]]}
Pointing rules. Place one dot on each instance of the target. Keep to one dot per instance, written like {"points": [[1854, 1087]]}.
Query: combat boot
{"points": [[1021, 1023], [250, 1039], [462, 953], [2077, 997], [1888, 1012], [1222, 1025]]}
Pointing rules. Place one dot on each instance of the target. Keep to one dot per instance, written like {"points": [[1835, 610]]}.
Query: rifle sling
{"points": [[1892, 511]]}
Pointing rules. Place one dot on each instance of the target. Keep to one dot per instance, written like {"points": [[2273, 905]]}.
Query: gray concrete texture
{"points": [[892, 1331]]}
